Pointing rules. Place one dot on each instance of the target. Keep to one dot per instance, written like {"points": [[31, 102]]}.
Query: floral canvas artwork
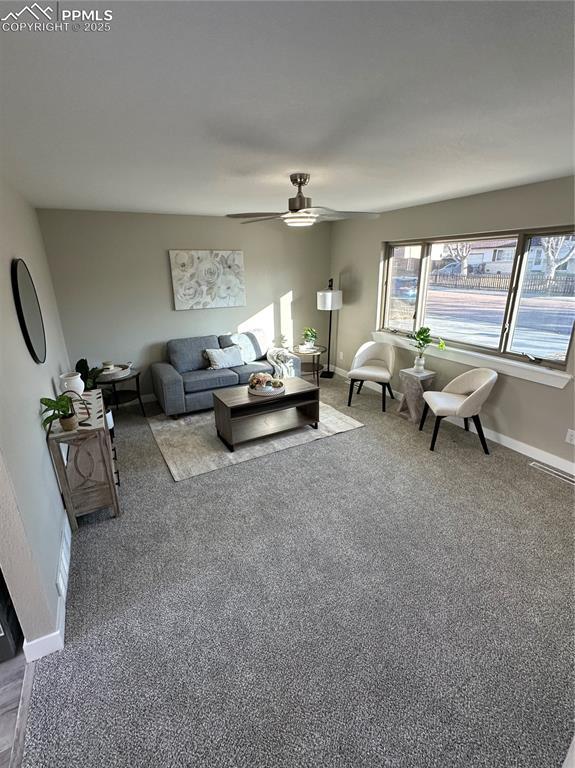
{"points": [[207, 279]]}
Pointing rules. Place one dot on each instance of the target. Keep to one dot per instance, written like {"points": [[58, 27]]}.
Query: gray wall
{"points": [[32, 515], [112, 279], [532, 413]]}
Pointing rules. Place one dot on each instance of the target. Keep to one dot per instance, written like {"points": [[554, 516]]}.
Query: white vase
{"points": [[419, 364], [72, 381]]}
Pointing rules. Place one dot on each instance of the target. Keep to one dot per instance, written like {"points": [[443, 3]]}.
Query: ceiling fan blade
{"points": [[251, 215], [269, 217], [328, 214]]}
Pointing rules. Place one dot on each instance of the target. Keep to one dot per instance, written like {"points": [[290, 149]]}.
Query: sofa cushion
{"points": [[254, 344], [188, 354], [227, 357], [197, 381], [245, 371]]}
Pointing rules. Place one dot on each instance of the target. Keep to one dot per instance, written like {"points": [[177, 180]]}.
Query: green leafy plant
{"points": [[422, 339], [59, 408], [310, 334], [87, 374]]}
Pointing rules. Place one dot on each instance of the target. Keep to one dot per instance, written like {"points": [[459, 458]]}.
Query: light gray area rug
{"points": [[358, 602], [191, 446]]}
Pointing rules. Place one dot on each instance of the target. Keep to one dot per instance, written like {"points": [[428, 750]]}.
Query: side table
{"points": [[119, 396], [415, 383], [314, 367]]}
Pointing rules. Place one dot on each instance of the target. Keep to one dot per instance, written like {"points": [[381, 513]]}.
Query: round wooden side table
{"points": [[312, 368], [119, 396]]}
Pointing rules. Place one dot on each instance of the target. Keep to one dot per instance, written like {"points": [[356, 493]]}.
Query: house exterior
{"points": [[495, 257]]}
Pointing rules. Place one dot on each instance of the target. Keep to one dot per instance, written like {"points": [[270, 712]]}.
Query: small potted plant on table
{"points": [[421, 339], [61, 408], [309, 338]]}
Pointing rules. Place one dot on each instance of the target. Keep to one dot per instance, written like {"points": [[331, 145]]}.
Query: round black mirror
{"points": [[28, 309]]}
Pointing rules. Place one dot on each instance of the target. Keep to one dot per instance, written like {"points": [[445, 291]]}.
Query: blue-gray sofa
{"points": [[185, 383]]}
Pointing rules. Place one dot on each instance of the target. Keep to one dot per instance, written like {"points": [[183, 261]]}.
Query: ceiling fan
{"points": [[300, 211]]}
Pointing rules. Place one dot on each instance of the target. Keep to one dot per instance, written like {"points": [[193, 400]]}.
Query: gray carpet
{"points": [[190, 445], [354, 602]]}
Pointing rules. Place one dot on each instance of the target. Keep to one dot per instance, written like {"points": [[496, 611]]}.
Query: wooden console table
{"points": [[84, 461]]}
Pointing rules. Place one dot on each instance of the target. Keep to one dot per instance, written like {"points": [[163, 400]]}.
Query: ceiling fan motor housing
{"points": [[299, 202]]}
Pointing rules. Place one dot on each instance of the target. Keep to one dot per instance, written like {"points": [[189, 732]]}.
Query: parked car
{"points": [[453, 268], [404, 286]]}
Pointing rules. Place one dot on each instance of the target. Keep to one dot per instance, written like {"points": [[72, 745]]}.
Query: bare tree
{"points": [[554, 253], [459, 252]]}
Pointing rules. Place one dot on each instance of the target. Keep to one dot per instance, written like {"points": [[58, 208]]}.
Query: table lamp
{"points": [[328, 301]]}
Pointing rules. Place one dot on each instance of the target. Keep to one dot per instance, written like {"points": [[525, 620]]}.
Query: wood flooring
{"points": [[11, 679]]}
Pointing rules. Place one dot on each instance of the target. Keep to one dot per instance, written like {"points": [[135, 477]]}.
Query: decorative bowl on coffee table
{"points": [[264, 385]]}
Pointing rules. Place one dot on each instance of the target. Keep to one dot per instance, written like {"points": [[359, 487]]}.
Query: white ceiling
{"points": [[207, 107]]}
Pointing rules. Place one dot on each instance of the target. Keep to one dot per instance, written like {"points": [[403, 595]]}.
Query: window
{"points": [[546, 299], [404, 279], [512, 295], [462, 305]]}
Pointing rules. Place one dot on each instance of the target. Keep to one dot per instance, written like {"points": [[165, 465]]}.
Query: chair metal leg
{"points": [[435, 431], [390, 390], [359, 387], [466, 422], [351, 386], [383, 397], [423, 416], [479, 429]]}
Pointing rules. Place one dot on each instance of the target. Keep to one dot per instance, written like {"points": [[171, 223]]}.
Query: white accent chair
{"points": [[373, 361], [462, 397]]}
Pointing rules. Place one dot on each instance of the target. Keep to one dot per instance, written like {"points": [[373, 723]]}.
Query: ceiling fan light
{"points": [[300, 219]]}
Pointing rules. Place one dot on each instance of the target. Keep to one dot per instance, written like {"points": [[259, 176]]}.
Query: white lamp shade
{"points": [[329, 300]]}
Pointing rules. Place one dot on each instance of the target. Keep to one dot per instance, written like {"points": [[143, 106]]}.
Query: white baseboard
{"points": [[496, 437], [517, 445], [570, 759], [42, 646]]}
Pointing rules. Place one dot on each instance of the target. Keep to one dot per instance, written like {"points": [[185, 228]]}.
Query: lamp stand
{"points": [[327, 374]]}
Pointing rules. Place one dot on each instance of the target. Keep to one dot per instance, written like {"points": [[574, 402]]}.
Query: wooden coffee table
{"points": [[241, 417]]}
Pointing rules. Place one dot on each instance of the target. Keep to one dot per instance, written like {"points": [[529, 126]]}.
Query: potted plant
{"points": [[421, 339], [87, 374], [62, 408], [309, 338]]}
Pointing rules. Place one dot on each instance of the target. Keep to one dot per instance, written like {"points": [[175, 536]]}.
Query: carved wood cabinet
{"points": [[84, 460]]}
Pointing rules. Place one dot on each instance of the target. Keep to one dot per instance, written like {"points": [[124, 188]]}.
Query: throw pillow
{"points": [[224, 358], [243, 341]]}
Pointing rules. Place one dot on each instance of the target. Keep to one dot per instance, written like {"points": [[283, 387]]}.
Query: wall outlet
{"points": [[570, 437], [340, 356]]}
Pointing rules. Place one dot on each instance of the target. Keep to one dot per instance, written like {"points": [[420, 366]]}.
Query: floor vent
{"points": [[566, 478]]}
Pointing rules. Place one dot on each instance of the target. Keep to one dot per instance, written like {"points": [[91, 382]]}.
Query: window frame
{"points": [[524, 237]]}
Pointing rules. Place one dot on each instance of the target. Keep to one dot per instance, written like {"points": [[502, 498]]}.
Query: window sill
{"points": [[536, 373]]}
